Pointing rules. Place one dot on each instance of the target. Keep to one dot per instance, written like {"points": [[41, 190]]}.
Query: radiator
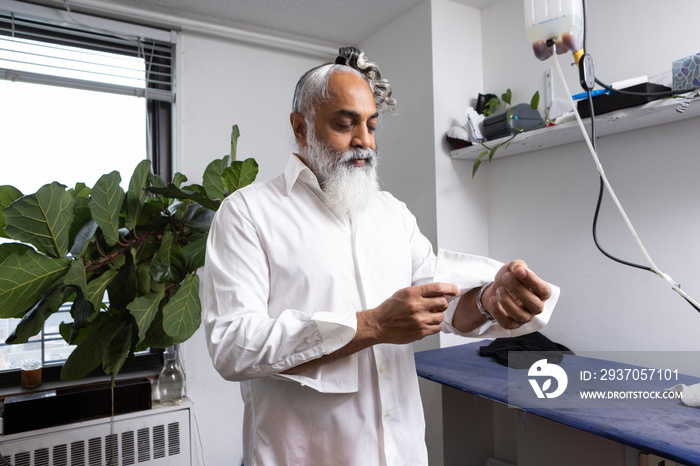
{"points": [[159, 436]]}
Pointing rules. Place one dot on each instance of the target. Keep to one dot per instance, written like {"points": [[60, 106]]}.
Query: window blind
{"points": [[58, 47]]}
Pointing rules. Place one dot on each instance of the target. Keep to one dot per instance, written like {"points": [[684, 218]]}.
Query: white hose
{"points": [[598, 165]]}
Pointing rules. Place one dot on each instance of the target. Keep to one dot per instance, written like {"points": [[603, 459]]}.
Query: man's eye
{"points": [[371, 129]]}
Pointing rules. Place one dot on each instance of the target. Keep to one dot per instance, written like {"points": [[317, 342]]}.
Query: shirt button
{"points": [[381, 369], [386, 417]]}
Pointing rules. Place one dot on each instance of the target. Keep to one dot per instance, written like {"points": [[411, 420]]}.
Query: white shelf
{"points": [[654, 113]]}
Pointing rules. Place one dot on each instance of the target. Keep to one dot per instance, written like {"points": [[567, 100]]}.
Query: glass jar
{"points": [[171, 381], [30, 374]]}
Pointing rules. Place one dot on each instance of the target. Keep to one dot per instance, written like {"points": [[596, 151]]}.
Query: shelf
{"points": [[654, 113]]}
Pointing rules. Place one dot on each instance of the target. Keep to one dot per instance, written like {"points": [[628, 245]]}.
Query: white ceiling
{"points": [[326, 22]]}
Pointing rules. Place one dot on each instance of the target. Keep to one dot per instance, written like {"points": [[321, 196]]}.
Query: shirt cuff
{"points": [[340, 376], [468, 272]]}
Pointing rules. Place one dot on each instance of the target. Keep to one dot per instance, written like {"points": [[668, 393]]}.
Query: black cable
{"points": [[595, 149], [601, 191]]}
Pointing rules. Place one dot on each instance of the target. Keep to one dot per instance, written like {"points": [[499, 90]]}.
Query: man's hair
{"points": [[312, 88]]}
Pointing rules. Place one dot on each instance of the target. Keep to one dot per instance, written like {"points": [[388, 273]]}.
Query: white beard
{"points": [[347, 189]]}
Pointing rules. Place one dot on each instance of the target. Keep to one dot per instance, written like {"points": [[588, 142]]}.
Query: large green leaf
{"points": [[42, 219], [105, 205], [9, 248], [76, 276], [201, 220], [211, 179], [195, 252], [122, 289], [183, 313], [24, 278], [169, 263], [33, 321], [174, 192], [240, 174], [155, 335], [83, 226], [97, 287], [178, 179], [117, 350], [81, 310], [83, 236], [88, 355], [8, 194], [144, 309], [136, 195]]}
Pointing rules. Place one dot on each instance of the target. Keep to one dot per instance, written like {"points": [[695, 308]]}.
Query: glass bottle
{"points": [[171, 381]]}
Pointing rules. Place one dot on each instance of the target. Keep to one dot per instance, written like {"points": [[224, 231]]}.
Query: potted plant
{"points": [[140, 248]]}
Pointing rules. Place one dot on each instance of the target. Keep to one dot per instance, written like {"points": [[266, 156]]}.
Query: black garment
{"points": [[525, 350]]}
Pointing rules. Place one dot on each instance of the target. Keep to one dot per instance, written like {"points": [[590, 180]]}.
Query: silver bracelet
{"points": [[480, 306]]}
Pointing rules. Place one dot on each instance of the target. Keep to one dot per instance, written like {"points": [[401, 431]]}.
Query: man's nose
{"points": [[361, 138]]}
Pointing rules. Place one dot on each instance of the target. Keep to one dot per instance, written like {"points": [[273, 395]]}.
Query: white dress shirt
{"points": [[283, 281]]}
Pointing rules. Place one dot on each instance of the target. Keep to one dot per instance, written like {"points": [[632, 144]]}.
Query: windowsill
{"points": [[65, 384]]}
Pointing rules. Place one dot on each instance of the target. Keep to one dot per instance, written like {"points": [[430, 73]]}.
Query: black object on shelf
{"points": [[605, 103], [516, 119]]}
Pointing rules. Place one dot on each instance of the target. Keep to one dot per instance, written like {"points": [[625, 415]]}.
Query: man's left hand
{"points": [[516, 295]]}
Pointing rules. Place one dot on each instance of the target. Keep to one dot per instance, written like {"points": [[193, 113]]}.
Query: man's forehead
{"points": [[351, 93]]}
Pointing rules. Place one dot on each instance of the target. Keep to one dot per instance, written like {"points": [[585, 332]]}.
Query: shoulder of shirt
{"points": [[274, 187]]}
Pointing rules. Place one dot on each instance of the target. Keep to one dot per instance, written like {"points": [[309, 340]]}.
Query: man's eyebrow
{"points": [[354, 114]]}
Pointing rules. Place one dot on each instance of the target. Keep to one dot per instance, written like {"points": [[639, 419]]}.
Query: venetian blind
{"points": [[59, 47]]}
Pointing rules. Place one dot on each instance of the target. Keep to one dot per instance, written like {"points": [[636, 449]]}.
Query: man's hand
{"points": [[516, 296], [409, 315]]}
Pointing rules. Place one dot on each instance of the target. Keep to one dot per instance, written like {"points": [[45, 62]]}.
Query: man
{"points": [[317, 283]]}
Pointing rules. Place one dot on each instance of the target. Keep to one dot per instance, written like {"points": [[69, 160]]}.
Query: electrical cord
{"points": [[4, 462], [604, 180], [601, 192], [593, 139]]}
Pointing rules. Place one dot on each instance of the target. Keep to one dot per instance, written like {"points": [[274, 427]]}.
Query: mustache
{"points": [[365, 153]]}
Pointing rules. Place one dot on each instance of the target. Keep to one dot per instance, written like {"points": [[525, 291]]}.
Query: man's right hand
{"points": [[409, 315]]}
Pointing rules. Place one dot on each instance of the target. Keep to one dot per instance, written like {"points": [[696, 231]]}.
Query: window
{"points": [[81, 96]]}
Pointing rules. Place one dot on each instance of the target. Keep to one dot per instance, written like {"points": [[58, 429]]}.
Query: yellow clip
{"points": [[577, 55]]}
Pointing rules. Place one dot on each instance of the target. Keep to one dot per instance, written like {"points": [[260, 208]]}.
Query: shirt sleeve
{"points": [[469, 272], [244, 341]]}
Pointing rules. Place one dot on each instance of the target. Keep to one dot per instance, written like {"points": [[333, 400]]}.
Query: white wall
{"points": [[402, 49], [542, 203], [221, 83], [461, 202]]}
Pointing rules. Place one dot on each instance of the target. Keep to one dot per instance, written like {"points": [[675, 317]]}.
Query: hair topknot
{"points": [[312, 87], [381, 88]]}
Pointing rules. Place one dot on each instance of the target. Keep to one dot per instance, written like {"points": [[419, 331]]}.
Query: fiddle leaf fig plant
{"points": [[125, 261]]}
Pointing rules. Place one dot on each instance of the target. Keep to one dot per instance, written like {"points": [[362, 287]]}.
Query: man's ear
{"points": [[299, 128]]}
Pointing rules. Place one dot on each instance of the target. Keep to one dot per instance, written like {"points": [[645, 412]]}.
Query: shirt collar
{"points": [[295, 171]]}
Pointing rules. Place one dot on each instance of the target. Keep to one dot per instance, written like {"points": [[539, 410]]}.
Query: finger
{"points": [[509, 309], [436, 304], [522, 296], [439, 289], [529, 279]]}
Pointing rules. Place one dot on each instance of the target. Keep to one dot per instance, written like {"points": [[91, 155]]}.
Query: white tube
{"points": [[599, 166]]}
